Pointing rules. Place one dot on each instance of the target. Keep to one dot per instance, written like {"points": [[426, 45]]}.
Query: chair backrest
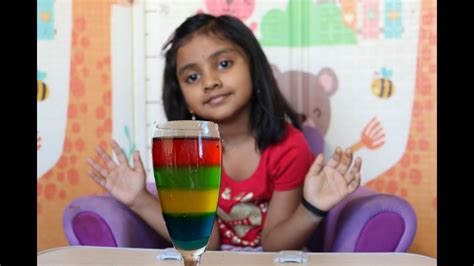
{"points": [[366, 221]]}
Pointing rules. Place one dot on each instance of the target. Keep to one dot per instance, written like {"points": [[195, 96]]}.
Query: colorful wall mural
{"points": [[86, 112], [368, 66]]}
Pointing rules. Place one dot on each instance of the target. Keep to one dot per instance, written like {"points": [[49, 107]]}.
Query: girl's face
{"points": [[214, 76]]}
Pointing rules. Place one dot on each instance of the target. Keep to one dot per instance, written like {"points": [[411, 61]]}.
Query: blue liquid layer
{"points": [[189, 231]]}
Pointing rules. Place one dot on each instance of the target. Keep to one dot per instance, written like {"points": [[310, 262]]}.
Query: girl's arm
{"points": [[215, 238], [149, 209], [127, 185], [289, 224]]}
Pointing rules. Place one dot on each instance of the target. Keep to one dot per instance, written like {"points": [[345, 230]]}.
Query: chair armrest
{"points": [[375, 222], [104, 221]]}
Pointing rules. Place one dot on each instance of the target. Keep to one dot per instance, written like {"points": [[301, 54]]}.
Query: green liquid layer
{"points": [[187, 177]]}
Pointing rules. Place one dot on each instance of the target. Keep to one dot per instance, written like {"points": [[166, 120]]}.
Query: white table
{"points": [[83, 255]]}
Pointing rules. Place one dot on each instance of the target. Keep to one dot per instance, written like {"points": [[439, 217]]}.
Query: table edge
{"points": [[219, 251]]}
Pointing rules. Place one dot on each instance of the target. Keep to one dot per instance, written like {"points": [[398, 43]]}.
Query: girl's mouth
{"points": [[215, 100]]}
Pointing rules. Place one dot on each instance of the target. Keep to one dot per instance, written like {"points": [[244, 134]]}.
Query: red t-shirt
{"points": [[243, 204]]}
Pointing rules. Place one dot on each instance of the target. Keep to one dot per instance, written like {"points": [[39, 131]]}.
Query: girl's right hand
{"points": [[125, 183]]}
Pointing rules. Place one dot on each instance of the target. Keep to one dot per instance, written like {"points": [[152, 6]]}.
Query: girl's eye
{"points": [[224, 64], [191, 78]]}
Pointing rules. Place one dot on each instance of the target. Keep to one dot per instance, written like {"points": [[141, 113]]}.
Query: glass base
{"points": [[191, 257]]}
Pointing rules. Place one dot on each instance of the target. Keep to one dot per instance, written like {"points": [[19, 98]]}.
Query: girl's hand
{"points": [[326, 185], [125, 183]]}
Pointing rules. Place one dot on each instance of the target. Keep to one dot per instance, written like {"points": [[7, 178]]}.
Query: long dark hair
{"points": [[269, 108]]}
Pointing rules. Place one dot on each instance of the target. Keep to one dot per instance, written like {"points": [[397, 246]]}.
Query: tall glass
{"points": [[187, 159]]}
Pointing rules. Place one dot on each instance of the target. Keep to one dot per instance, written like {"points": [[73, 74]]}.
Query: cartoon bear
{"points": [[309, 95], [314, 92]]}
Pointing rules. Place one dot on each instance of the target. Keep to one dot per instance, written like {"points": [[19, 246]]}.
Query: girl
{"points": [[272, 194]]}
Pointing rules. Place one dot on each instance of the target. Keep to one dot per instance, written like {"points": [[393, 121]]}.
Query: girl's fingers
{"points": [[345, 162], [138, 163], [97, 177], [317, 165], [97, 167], [349, 176], [105, 157], [354, 184], [357, 165], [118, 152], [336, 157]]}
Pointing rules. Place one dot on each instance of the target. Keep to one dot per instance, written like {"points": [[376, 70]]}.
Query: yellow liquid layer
{"points": [[174, 201]]}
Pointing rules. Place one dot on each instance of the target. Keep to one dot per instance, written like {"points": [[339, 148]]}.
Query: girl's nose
{"points": [[212, 82]]}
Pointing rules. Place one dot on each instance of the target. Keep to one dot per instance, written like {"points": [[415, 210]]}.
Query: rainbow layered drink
{"points": [[187, 172]]}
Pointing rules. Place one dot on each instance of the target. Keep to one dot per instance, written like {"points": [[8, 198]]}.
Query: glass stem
{"points": [[192, 262]]}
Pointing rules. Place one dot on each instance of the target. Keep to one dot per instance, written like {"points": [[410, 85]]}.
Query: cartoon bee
{"points": [[43, 91], [383, 87], [42, 88]]}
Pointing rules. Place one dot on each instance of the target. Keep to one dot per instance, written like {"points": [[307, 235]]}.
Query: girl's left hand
{"points": [[326, 185]]}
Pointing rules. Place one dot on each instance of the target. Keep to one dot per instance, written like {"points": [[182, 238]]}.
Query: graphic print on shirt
{"points": [[242, 218]]}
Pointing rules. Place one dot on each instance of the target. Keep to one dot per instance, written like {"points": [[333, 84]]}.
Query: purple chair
{"points": [[104, 221], [366, 221]]}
